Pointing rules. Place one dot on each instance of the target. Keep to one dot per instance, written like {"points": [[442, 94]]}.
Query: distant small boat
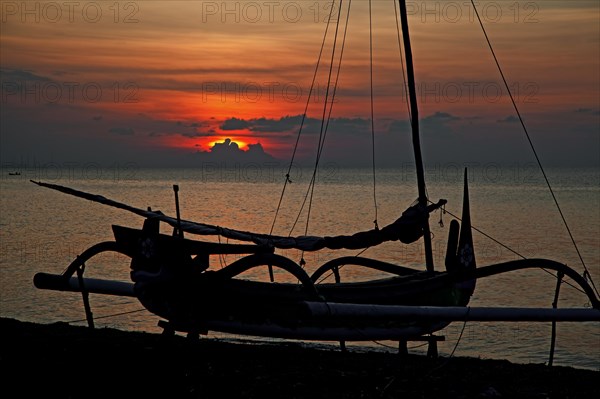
{"points": [[14, 173]]}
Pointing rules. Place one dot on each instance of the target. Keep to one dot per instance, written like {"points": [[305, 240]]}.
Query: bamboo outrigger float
{"points": [[172, 276]]}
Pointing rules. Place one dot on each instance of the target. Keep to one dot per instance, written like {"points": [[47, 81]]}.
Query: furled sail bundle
{"points": [[407, 229]]}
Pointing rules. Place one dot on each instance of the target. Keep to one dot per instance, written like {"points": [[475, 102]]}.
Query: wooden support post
{"points": [[432, 349], [179, 231], [271, 276], [559, 278], [432, 340], [402, 348], [86, 297], [336, 274], [168, 330]]}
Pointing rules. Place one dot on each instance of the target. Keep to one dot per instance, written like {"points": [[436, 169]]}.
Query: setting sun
{"points": [[242, 145]]}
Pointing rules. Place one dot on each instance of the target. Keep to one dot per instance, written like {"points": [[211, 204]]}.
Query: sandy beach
{"points": [[58, 360]]}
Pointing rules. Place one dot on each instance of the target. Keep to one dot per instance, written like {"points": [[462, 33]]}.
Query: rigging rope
{"points": [[222, 257], [110, 315], [445, 363], [322, 132], [312, 85], [325, 125], [587, 273], [341, 266], [325, 122], [510, 249]]}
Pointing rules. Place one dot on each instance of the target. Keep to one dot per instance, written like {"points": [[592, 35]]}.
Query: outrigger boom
{"points": [[343, 310]]}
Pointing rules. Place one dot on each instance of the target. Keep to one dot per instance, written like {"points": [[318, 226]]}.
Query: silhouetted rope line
{"points": [[320, 145], [445, 363], [323, 132], [510, 249], [341, 266], [533, 149], [325, 121], [109, 316], [312, 85]]}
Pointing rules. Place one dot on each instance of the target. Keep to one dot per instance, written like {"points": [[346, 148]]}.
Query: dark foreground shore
{"points": [[58, 360]]}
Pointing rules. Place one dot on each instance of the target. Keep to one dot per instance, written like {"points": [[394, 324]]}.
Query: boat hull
{"points": [[281, 310]]}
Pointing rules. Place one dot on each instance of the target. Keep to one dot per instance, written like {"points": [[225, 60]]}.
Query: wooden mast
{"points": [[414, 117]]}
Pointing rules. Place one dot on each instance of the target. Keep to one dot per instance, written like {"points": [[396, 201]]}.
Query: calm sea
{"points": [[43, 230]]}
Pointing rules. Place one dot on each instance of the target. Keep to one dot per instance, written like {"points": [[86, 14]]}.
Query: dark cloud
{"points": [[234, 124], [61, 73], [29, 85], [447, 137], [399, 126], [441, 116], [229, 153], [190, 124], [509, 119], [264, 125], [284, 124], [159, 127], [122, 131], [432, 125], [196, 133], [287, 124], [21, 75], [587, 111], [354, 126], [225, 146], [190, 129], [439, 125]]}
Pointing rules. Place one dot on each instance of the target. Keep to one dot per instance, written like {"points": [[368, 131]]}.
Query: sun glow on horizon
{"points": [[242, 144], [175, 86]]}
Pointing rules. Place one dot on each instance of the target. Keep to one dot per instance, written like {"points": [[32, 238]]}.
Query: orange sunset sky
{"points": [[158, 83]]}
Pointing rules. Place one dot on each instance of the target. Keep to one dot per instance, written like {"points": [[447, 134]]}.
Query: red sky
{"points": [[140, 80]]}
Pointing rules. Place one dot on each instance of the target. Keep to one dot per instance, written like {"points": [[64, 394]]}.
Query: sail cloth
{"points": [[408, 228]]}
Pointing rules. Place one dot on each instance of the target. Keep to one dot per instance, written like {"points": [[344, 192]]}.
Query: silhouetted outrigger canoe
{"points": [[172, 276]]}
